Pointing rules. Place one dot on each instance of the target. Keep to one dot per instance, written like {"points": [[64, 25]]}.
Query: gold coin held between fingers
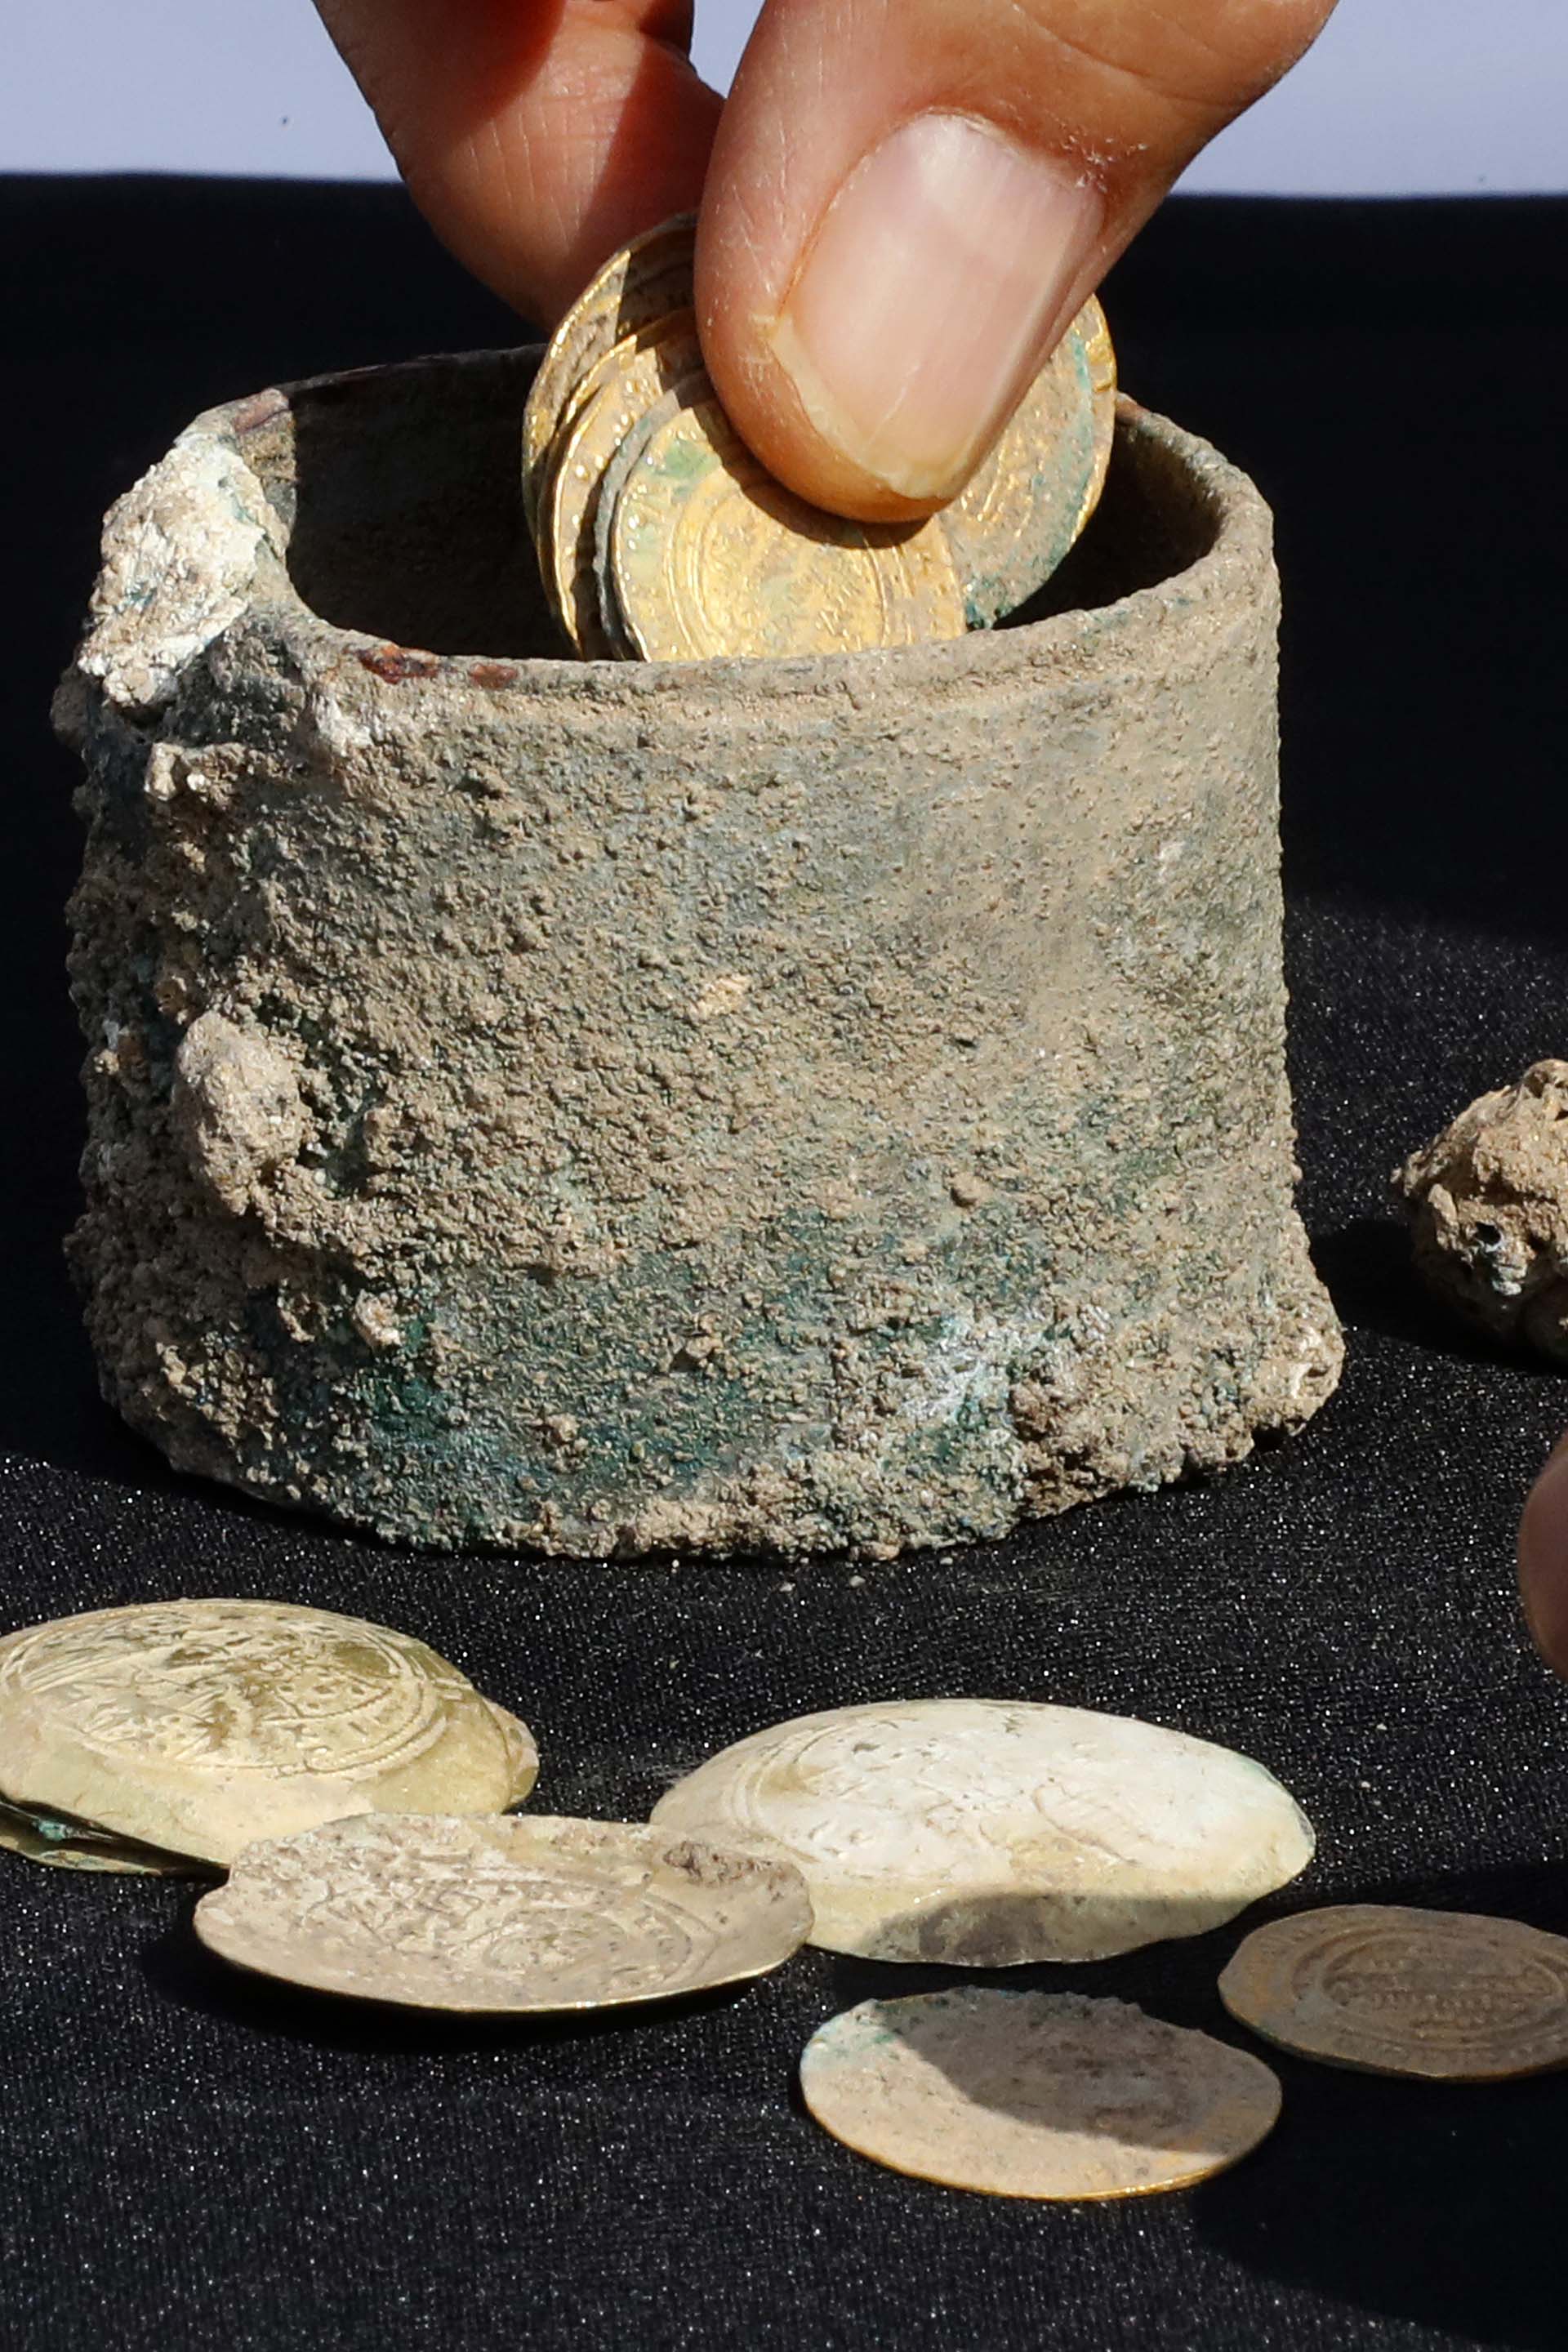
{"points": [[1035, 2094], [196, 1725], [1017, 518], [616, 394], [710, 556], [1386, 1990], [520, 1912], [643, 282], [985, 1833]]}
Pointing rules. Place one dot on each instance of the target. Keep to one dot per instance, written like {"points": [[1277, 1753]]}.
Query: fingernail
{"points": [[928, 297], [1543, 1561]]}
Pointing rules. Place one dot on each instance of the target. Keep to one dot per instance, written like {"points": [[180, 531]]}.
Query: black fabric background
{"points": [[187, 2159]]}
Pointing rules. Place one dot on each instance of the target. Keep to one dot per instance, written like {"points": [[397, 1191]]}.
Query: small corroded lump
{"points": [[1488, 1203]]}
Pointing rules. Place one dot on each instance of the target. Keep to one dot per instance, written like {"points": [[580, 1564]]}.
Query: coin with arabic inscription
{"points": [[982, 1832], [710, 556], [637, 287], [1035, 2094], [196, 1725], [522, 1912], [616, 395], [1014, 522], [1446, 1994]]}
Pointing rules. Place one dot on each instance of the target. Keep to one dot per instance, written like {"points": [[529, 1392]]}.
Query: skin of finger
{"points": [[536, 136], [1125, 92], [1543, 1559]]}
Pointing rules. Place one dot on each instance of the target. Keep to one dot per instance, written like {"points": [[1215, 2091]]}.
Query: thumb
{"points": [[908, 203], [1544, 1561]]}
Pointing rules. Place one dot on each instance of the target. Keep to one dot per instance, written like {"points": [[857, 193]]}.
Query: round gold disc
{"points": [[710, 556], [196, 1725], [616, 394], [1386, 1990], [1014, 522], [642, 283], [519, 1913], [1035, 2094], [985, 1833]]}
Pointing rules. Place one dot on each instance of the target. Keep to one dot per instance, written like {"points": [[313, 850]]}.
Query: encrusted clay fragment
{"points": [[1488, 1203]]}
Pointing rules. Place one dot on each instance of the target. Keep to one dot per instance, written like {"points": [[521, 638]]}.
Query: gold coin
{"points": [[77, 1846], [521, 1754], [1035, 2094], [1384, 1990], [1021, 513], [710, 556], [616, 394], [643, 282], [506, 1915], [984, 1834], [196, 1725]]}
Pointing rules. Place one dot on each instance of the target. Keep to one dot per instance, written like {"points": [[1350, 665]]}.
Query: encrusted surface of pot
{"points": [[609, 1105]]}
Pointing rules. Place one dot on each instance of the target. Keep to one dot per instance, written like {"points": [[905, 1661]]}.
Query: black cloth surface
{"points": [[188, 2159]]}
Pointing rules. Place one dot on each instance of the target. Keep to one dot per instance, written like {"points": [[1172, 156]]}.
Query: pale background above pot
{"points": [[1399, 98]]}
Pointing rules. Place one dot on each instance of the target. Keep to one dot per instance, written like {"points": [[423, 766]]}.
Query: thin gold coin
{"points": [[616, 394], [77, 1846], [1035, 2094], [644, 282], [984, 1834], [710, 556], [196, 1725], [1017, 518], [507, 1914], [1444, 1994], [617, 474]]}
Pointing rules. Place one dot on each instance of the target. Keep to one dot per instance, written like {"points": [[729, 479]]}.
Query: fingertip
{"points": [[1544, 1561]]}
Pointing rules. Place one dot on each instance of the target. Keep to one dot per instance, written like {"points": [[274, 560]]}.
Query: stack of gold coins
{"points": [[661, 537]]}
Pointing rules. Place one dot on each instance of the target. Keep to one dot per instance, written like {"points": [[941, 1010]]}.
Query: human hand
{"points": [[1543, 1559], [907, 201]]}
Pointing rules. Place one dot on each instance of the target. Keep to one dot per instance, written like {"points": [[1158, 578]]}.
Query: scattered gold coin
{"points": [[983, 1833], [192, 1727], [77, 1846], [514, 1913], [1386, 1990], [660, 536], [1035, 2094]]}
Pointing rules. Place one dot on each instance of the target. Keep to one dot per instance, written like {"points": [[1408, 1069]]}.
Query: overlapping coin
{"points": [[181, 1730], [1448, 1995], [507, 1914], [661, 537], [985, 1832], [1035, 2094]]}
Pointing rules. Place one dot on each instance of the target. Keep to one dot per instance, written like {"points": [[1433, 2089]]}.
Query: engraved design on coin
{"points": [[1449, 1995], [234, 1687], [639, 284], [504, 1913], [1035, 2094], [982, 1832], [710, 556]]}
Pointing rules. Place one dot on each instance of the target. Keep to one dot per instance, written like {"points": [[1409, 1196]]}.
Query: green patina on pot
{"points": [[601, 1106]]}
